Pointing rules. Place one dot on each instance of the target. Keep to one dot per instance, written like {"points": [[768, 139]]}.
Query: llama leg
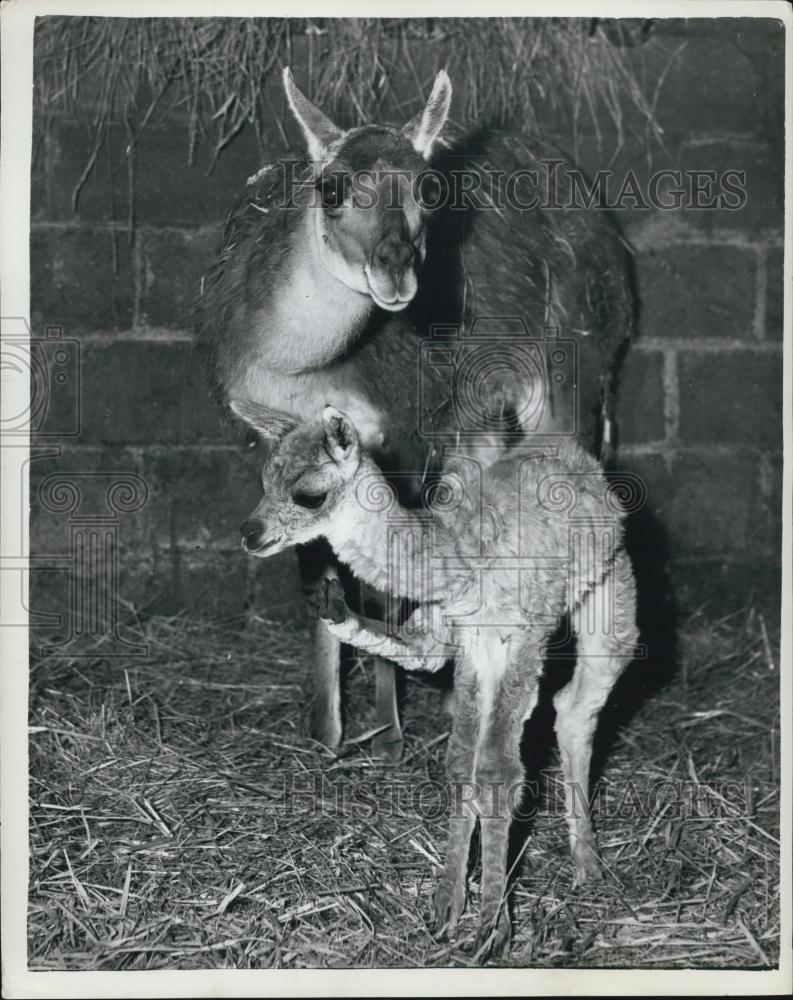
{"points": [[317, 565], [413, 646], [499, 779], [449, 899], [605, 623], [430, 655], [374, 637], [494, 931], [388, 744], [326, 724]]}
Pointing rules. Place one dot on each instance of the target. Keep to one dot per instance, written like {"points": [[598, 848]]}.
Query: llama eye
{"points": [[332, 191], [429, 191], [311, 501]]}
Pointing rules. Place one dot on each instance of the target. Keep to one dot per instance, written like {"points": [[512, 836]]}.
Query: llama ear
{"points": [[424, 129], [319, 130], [341, 438], [270, 424]]}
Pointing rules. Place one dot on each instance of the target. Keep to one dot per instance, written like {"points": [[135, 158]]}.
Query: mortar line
{"points": [[143, 333], [671, 404], [82, 225], [760, 292], [140, 333], [137, 277], [707, 345], [652, 235]]}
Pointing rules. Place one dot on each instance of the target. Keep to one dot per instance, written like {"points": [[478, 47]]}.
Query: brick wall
{"points": [[701, 392], [700, 403]]}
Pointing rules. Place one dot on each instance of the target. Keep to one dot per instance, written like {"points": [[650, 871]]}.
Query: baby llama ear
{"points": [[318, 129], [341, 437], [424, 129], [270, 424]]}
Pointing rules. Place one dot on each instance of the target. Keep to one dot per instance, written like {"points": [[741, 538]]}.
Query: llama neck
{"points": [[387, 549], [311, 316]]}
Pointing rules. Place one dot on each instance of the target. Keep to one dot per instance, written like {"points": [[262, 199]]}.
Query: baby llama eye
{"points": [[311, 501]]}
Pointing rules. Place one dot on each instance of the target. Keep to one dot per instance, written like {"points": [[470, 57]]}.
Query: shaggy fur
{"points": [[496, 562]]}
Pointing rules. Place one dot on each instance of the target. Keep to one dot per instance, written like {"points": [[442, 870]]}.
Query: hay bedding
{"points": [[161, 836]]}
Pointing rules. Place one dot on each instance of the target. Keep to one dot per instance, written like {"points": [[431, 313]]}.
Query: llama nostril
{"points": [[252, 542], [384, 255], [252, 535], [404, 255], [393, 255]]}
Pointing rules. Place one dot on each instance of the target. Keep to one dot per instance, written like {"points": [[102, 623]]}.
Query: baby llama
{"points": [[497, 558]]}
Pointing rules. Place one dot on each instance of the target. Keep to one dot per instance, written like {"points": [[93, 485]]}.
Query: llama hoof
{"points": [[493, 937], [332, 606], [329, 736], [588, 867], [387, 747], [448, 904]]}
